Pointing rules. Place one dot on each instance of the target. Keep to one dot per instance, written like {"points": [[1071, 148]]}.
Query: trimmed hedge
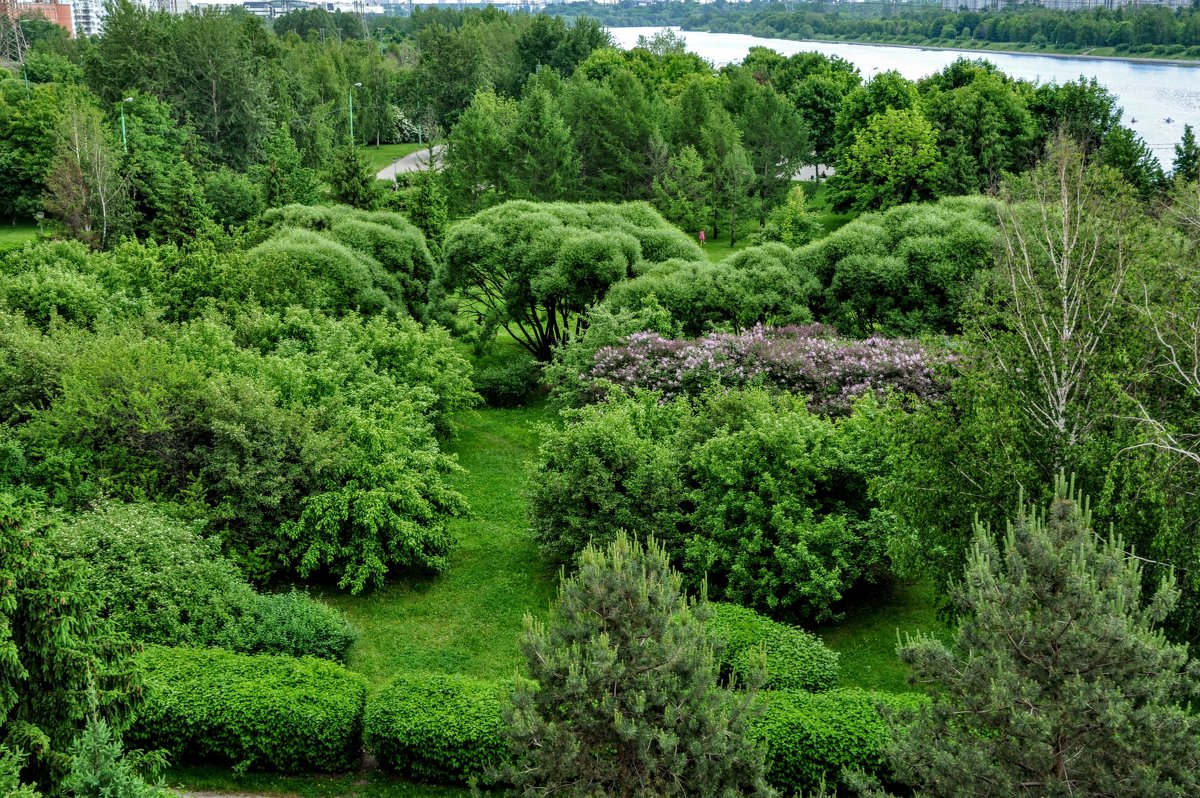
{"points": [[438, 727], [261, 712], [812, 737], [795, 659]]}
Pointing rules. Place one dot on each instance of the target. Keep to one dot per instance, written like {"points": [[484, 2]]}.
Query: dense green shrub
{"points": [[762, 284], [510, 383], [811, 737], [748, 490], [438, 727], [300, 267], [794, 659], [162, 582], [261, 712], [298, 625], [610, 467], [310, 443], [906, 271], [388, 239]]}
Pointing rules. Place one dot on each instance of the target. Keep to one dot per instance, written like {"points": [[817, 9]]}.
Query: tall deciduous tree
{"points": [[1058, 683], [84, 190], [893, 160], [624, 699]]}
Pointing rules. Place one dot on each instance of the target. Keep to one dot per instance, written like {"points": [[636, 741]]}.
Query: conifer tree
{"points": [[545, 164], [60, 661], [1058, 684], [624, 699], [351, 180]]}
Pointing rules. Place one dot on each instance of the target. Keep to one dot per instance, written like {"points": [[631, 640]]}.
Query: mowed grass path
{"points": [[467, 619]]}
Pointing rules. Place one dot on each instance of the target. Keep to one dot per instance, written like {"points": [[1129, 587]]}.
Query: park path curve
{"points": [[413, 162]]}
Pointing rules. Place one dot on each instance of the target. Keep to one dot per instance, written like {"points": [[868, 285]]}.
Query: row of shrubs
{"points": [[280, 713]]}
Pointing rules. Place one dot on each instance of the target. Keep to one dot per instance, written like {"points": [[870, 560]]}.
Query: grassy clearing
{"points": [[818, 202], [17, 234], [383, 155], [466, 620], [354, 785], [867, 638]]}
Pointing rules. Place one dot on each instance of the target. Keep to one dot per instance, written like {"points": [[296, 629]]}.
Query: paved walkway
{"points": [[413, 162]]}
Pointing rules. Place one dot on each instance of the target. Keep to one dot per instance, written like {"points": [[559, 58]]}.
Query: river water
{"points": [[1149, 93]]}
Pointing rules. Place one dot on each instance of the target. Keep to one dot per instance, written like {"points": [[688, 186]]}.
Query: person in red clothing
{"points": [[701, 238]]}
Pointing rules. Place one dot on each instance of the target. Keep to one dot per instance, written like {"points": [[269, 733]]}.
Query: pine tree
{"points": [[101, 768], [1058, 684], [623, 699]]}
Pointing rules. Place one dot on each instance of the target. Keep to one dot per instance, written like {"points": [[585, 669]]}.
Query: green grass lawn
{"points": [[466, 620], [17, 234], [867, 637], [383, 155]]}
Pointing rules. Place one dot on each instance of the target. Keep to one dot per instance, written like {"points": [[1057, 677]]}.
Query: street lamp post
{"points": [[352, 88], [124, 138]]}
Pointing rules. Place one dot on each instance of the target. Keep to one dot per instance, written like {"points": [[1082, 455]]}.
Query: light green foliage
{"points": [[811, 738], [761, 284], [393, 251], [400, 261], [163, 583], [295, 624], [438, 728], [908, 271], [774, 511], [1056, 626], [534, 269], [100, 767], [892, 160], [323, 430], [884, 91], [302, 267], [61, 662], [160, 581], [56, 281], [781, 518], [792, 222], [10, 776], [258, 712], [788, 657], [611, 467], [623, 694]]}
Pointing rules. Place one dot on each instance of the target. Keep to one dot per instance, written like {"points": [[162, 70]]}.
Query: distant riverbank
{"points": [[1001, 48]]}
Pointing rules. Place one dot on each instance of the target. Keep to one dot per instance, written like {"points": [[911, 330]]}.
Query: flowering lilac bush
{"points": [[810, 360]]}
